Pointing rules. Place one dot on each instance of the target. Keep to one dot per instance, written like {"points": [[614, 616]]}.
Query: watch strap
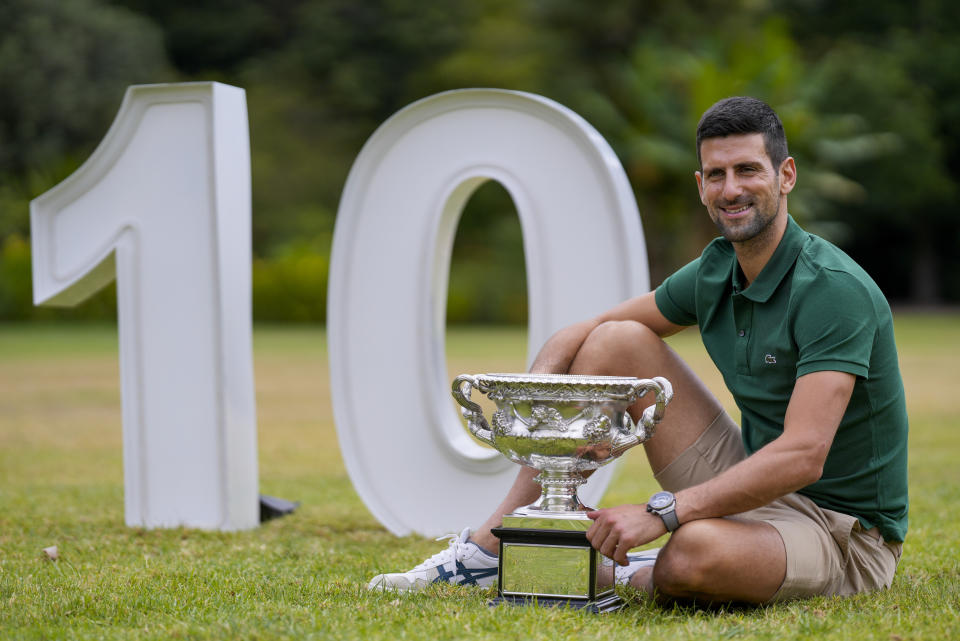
{"points": [[670, 519]]}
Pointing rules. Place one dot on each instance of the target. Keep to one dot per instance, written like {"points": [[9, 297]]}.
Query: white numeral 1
{"points": [[164, 204]]}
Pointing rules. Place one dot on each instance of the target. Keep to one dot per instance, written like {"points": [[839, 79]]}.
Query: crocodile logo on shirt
{"points": [[770, 359]]}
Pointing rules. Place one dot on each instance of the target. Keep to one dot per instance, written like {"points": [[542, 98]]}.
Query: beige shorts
{"points": [[828, 552]]}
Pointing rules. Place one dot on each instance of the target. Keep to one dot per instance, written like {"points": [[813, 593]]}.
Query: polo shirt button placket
{"points": [[741, 350], [742, 322]]}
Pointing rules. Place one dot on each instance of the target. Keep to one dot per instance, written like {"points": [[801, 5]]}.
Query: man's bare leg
{"points": [[524, 491], [717, 560]]}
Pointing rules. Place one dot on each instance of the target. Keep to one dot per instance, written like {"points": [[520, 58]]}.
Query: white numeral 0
{"points": [[408, 456], [164, 204]]}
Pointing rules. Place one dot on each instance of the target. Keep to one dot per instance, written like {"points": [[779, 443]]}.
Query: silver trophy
{"points": [[564, 426]]}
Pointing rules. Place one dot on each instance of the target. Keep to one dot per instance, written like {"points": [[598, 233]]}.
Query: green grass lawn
{"points": [[303, 576]]}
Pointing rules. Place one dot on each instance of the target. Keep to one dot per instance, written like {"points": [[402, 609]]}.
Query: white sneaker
{"points": [[638, 560], [462, 563]]}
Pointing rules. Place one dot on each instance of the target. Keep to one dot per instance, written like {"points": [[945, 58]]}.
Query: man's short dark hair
{"points": [[744, 115]]}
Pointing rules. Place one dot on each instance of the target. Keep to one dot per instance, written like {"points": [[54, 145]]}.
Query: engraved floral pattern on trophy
{"points": [[561, 425], [597, 428], [502, 422], [545, 415]]}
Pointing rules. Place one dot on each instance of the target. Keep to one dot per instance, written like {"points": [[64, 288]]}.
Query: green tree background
{"points": [[867, 92]]}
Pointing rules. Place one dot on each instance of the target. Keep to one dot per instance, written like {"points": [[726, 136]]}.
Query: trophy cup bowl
{"points": [[563, 426]]}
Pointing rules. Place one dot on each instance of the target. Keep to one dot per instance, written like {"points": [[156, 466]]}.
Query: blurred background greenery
{"points": [[867, 90]]}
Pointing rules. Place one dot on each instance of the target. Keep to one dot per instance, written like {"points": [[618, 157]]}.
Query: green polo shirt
{"points": [[812, 308]]}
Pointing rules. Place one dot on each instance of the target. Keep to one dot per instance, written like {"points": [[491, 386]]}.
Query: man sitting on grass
{"points": [[807, 497]]}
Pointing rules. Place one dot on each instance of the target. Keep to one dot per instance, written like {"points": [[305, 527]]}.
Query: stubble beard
{"points": [[753, 228]]}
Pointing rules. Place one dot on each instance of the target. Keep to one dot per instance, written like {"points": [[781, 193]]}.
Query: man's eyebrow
{"points": [[748, 164]]}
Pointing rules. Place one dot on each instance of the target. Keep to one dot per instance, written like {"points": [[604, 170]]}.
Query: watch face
{"points": [[660, 500]]}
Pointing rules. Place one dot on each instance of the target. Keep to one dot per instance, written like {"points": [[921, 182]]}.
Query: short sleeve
{"points": [[676, 296], [836, 325]]}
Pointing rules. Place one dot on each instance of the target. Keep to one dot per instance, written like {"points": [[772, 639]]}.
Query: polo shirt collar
{"points": [[761, 289]]}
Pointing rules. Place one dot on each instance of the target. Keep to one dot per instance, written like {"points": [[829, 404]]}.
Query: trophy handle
{"points": [[471, 411], [653, 414], [632, 436]]}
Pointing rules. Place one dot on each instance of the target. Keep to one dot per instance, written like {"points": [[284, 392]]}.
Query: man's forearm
{"points": [[770, 473], [788, 463]]}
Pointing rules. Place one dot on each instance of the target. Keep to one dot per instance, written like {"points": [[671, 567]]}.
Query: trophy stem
{"points": [[559, 491]]}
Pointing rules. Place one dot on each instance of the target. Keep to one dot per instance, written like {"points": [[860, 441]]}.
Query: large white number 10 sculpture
{"points": [[164, 204]]}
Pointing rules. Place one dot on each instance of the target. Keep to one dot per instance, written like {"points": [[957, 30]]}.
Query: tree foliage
{"points": [[63, 68], [866, 90]]}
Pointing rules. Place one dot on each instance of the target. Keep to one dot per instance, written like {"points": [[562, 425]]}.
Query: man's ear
{"points": [[788, 175], [699, 177]]}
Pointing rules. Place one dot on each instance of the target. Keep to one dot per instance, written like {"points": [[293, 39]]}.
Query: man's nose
{"points": [[732, 189]]}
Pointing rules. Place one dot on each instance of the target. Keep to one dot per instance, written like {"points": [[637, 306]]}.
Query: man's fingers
{"points": [[615, 545], [609, 545], [620, 556], [598, 533], [608, 536]]}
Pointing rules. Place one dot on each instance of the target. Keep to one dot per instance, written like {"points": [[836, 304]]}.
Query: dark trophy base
{"points": [[554, 568], [611, 603]]}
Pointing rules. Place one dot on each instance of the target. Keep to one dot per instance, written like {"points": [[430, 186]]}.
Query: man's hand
{"points": [[616, 530]]}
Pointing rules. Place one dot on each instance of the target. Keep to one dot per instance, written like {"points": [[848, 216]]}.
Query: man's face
{"points": [[741, 189]]}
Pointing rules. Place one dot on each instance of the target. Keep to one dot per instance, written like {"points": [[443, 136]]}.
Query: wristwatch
{"points": [[664, 505]]}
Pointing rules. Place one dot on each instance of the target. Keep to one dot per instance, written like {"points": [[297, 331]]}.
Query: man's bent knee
{"points": [[622, 332], [721, 560], [685, 565], [615, 348]]}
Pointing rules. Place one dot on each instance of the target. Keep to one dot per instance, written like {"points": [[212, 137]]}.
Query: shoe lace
{"points": [[456, 548]]}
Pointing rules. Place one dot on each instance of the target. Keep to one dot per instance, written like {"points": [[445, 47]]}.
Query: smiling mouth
{"points": [[735, 211]]}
